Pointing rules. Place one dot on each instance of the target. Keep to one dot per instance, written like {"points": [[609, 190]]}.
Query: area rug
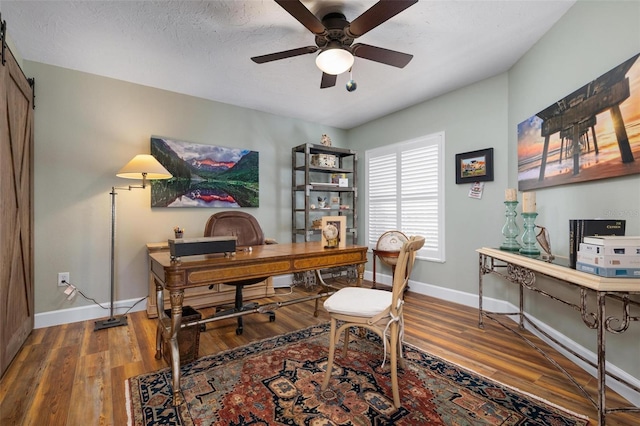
{"points": [[277, 382]]}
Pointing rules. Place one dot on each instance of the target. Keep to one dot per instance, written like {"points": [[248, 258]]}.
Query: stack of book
{"points": [[580, 228], [610, 256]]}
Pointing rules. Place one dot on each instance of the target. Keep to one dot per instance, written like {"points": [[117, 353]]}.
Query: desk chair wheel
{"points": [[239, 331], [272, 317]]}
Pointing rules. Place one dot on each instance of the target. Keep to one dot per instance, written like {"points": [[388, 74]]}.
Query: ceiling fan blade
{"points": [[376, 15], [379, 54], [284, 54], [303, 15], [328, 80]]}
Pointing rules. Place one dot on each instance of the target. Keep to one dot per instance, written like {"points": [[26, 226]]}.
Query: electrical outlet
{"points": [[63, 279]]}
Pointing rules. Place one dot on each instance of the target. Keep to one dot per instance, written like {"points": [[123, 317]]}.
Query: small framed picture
{"points": [[340, 224], [474, 166]]}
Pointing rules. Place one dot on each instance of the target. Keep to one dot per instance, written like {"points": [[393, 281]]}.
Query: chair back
{"points": [[237, 224], [406, 259]]}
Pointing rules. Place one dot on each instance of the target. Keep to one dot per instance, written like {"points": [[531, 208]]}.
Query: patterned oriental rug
{"points": [[277, 382]]}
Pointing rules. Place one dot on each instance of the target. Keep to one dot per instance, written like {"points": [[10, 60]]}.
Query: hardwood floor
{"points": [[71, 375]]}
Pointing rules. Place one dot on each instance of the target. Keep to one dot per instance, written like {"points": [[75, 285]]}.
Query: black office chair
{"points": [[248, 232]]}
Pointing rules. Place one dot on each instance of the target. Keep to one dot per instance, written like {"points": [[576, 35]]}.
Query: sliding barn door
{"points": [[16, 209]]}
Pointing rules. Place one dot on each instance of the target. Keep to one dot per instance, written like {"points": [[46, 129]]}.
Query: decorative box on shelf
{"points": [[323, 160], [340, 179]]}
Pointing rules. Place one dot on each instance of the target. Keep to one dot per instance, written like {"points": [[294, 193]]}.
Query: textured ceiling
{"points": [[202, 48]]}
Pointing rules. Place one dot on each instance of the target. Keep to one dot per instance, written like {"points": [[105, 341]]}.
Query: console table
{"points": [[177, 275], [522, 270]]}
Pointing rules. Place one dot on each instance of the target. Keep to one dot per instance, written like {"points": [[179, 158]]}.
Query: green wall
{"points": [[86, 128], [590, 39]]}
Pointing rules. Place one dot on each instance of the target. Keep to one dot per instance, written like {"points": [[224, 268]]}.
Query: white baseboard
{"points": [[86, 313], [94, 312]]}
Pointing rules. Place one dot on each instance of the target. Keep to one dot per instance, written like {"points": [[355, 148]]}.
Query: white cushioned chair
{"points": [[377, 310]]}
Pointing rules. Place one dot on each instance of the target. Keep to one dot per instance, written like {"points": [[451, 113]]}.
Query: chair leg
{"points": [[345, 348], [332, 349], [238, 307], [401, 361], [394, 364]]}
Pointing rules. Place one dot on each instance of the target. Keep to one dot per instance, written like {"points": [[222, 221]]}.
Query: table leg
{"points": [[160, 309], [360, 268], [177, 297], [480, 273], [602, 372], [325, 287], [374, 271], [521, 319]]}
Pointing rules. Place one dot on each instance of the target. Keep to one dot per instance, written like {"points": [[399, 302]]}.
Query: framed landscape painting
{"points": [[474, 166], [593, 133], [205, 175]]}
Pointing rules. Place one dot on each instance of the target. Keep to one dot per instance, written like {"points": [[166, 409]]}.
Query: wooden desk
{"points": [[201, 297], [267, 260], [522, 270]]}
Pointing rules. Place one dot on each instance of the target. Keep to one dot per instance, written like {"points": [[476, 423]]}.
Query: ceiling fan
{"points": [[335, 36]]}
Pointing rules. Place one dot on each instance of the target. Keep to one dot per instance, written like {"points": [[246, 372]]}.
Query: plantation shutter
{"points": [[405, 192]]}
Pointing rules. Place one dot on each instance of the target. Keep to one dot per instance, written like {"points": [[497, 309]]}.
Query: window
{"points": [[405, 191]]}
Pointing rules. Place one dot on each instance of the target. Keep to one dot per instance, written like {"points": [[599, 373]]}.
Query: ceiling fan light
{"points": [[334, 61]]}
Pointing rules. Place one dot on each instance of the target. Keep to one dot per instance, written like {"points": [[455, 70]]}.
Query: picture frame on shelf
{"points": [[340, 222], [335, 202], [474, 166]]}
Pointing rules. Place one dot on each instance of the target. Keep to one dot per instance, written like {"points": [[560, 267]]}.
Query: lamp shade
{"points": [[334, 60], [144, 166]]}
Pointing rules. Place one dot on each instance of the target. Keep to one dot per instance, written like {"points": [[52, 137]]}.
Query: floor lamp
{"points": [[145, 167]]}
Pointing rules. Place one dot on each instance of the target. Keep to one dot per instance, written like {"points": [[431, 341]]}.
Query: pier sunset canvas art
{"points": [[593, 133]]}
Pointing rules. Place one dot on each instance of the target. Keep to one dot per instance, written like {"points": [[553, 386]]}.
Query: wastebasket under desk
{"points": [[203, 297], [188, 337]]}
